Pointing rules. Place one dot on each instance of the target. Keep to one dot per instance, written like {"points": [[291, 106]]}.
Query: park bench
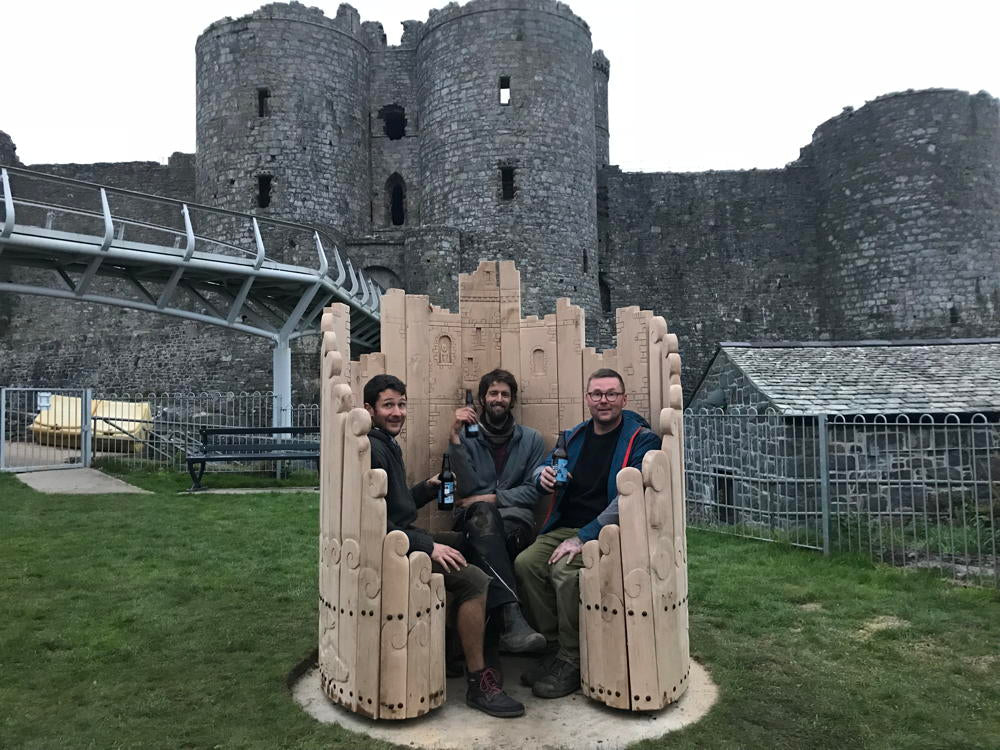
{"points": [[381, 611], [250, 444]]}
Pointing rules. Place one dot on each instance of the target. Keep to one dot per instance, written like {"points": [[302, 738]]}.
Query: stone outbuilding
{"points": [[806, 436]]}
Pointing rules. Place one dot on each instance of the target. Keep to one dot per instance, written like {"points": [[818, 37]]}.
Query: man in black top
{"points": [[548, 571], [385, 400]]}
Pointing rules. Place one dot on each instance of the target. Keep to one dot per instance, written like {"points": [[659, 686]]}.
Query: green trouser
{"points": [[551, 593]]}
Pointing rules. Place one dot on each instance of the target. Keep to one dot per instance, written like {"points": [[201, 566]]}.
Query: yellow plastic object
{"points": [[118, 425]]}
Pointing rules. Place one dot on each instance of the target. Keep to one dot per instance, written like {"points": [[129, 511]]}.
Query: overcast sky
{"points": [[694, 85]]}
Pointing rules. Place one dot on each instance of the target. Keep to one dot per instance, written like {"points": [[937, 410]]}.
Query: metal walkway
{"points": [[145, 254]]}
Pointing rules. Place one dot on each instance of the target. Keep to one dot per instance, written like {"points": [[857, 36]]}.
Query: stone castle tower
{"points": [[480, 126], [484, 135]]}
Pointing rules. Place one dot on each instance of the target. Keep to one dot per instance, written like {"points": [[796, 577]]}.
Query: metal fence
{"points": [[132, 430], [44, 428], [913, 490]]}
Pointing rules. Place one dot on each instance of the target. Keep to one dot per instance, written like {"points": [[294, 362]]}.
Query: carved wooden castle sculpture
{"points": [[382, 612]]}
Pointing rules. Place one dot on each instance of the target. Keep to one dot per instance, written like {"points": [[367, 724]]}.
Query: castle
{"points": [[485, 135]]}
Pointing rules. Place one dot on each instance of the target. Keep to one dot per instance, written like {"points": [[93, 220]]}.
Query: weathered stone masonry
{"points": [[888, 225]]}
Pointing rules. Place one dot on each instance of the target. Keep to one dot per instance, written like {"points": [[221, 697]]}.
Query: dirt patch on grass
{"points": [[983, 663], [880, 623], [811, 607]]}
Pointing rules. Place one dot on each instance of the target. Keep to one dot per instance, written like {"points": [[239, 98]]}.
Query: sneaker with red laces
{"points": [[486, 694]]}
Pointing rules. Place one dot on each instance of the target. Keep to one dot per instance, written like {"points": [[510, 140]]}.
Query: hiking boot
{"points": [[538, 670], [486, 694], [518, 636], [563, 679]]}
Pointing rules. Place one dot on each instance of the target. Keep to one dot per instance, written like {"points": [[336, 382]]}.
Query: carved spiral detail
{"points": [[359, 422], [396, 543], [656, 467], [333, 363], [629, 481]]}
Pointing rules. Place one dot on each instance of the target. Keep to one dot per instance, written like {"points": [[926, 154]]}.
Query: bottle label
{"points": [[447, 498], [562, 474]]}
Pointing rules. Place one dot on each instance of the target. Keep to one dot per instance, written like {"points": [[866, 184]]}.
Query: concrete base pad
{"points": [[570, 722], [78, 482]]}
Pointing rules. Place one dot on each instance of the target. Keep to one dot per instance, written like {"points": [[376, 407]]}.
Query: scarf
{"points": [[498, 434]]}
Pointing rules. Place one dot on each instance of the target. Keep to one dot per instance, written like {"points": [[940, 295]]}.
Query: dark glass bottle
{"points": [[560, 460], [446, 490], [471, 430]]}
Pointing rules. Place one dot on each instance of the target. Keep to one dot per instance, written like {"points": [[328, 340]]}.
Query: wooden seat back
{"points": [[381, 610]]}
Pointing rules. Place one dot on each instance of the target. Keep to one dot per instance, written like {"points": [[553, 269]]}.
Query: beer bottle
{"points": [[560, 460], [446, 490], [471, 430]]}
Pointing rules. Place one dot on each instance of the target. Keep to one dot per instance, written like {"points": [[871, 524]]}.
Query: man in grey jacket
{"points": [[496, 500]]}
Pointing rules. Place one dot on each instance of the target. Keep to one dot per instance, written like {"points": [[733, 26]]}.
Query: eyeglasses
{"points": [[610, 396]]}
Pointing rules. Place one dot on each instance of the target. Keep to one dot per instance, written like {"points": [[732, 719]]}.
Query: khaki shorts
{"points": [[468, 583]]}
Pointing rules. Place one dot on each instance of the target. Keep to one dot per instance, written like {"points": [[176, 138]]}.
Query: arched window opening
{"points": [[384, 277], [395, 200], [393, 121], [602, 283]]}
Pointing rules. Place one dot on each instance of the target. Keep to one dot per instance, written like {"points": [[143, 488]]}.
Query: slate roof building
{"points": [[861, 377], [888, 447]]}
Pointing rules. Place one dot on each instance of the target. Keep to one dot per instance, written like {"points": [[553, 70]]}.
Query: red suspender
{"points": [[628, 450]]}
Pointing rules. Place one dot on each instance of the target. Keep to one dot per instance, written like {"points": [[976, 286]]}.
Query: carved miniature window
{"points": [[393, 121], [395, 200], [263, 190], [505, 90], [263, 102], [507, 189]]}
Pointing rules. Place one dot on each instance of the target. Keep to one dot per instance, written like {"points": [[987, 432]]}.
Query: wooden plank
{"points": [[540, 377], [395, 605], [657, 355], [663, 580], [569, 349], [638, 595], [479, 307], [336, 319], [418, 348], [615, 663], [633, 356], [418, 662], [366, 368], [679, 484], [356, 464], [393, 343], [332, 462], [373, 525], [591, 624], [510, 324], [446, 394], [439, 615]]}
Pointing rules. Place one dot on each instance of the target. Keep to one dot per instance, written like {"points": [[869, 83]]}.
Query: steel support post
{"points": [[281, 415], [824, 479], [87, 427], [3, 428]]}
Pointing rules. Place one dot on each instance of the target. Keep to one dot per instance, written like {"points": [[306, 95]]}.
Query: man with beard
{"points": [[385, 400], [496, 501], [548, 570]]}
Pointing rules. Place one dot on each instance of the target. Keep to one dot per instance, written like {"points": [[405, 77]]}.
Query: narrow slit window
{"points": [[263, 190], [505, 90], [507, 188], [263, 102]]}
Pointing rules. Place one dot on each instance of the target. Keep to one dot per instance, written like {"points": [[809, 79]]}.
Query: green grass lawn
{"points": [[172, 621]]}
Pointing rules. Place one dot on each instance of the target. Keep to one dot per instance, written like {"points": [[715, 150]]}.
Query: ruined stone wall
{"points": [[602, 71], [50, 342], [546, 134], [908, 191], [723, 256], [393, 86]]}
